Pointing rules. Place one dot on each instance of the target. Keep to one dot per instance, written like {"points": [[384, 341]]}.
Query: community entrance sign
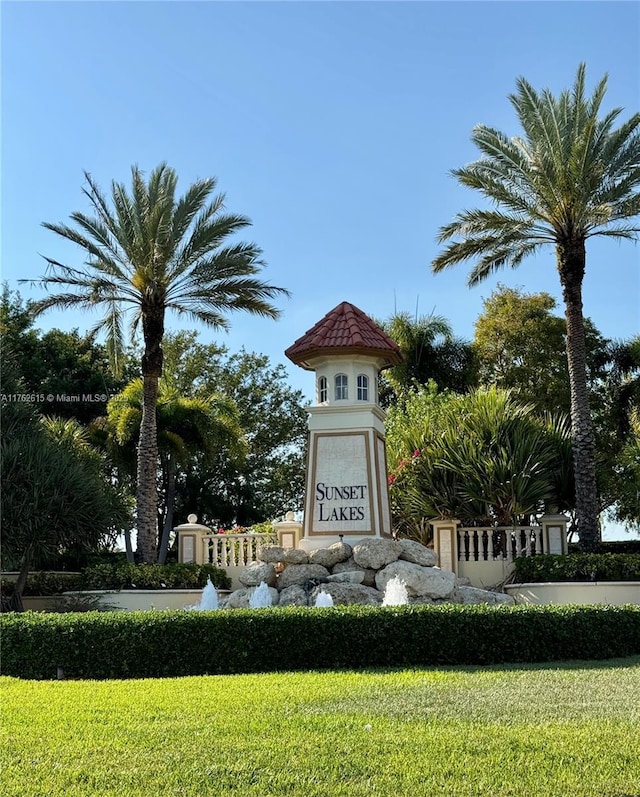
{"points": [[346, 477]]}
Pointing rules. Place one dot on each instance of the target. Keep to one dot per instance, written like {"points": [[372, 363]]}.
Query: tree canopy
{"points": [[520, 345]]}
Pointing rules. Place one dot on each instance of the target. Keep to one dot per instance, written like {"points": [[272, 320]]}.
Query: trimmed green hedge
{"points": [[122, 575], [577, 567], [44, 583], [611, 546], [172, 644], [172, 576]]}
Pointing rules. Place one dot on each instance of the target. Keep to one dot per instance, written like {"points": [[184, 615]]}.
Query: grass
{"points": [[571, 730]]}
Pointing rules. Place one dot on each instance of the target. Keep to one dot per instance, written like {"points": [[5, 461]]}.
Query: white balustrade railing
{"points": [[490, 543], [234, 550]]}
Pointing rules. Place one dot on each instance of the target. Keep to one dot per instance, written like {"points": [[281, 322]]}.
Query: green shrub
{"points": [[577, 567], [121, 575], [611, 546], [173, 644], [172, 576], [44, 583]]}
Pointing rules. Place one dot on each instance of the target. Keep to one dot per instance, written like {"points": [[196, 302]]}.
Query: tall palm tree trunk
{"points": [[147, 490], [571, 264]]}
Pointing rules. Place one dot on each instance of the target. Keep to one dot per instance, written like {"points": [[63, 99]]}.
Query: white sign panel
{"points": [[341, 489]]}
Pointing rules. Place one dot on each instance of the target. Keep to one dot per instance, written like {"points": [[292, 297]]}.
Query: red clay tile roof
{"points": [[344, 330]]}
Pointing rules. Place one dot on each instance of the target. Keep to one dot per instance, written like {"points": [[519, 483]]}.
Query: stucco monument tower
{"points": [[346, 478]]}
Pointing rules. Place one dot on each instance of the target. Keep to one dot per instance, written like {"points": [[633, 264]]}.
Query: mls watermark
{"points": [[55, 398]]}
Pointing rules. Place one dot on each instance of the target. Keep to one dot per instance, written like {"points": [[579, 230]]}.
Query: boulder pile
{"points": [[355, 574]]}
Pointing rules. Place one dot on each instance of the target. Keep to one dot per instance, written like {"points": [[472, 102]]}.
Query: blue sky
{"points": [[332, 125]]}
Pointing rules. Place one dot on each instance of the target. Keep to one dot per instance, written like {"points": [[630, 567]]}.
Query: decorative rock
{"points": [[293, 596], [299, 574], [412, 551], [295, 556], [271, 553], [419, 600], [348, 593], [328, 557], [377, 553], [464, 581], [430, 581], [350, 565], [255, 572], [241, 597], [348, 577], [476, 595]]}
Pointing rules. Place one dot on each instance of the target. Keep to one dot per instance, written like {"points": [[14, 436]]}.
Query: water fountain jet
{"points": [[261, 597], [395, 593], [209, 599], [324, 599]]}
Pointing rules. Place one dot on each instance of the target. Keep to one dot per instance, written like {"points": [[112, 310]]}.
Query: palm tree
{"points": [[184, 424], [572, 176], [149, 252], [625, 382], [431, 351]]}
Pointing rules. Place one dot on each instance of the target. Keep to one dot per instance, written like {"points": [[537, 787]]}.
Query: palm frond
{"points": [[209, 231], [191, 204]]}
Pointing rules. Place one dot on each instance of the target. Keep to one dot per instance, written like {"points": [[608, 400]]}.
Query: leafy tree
{"points": [[521, 345], [54, 492], [149, 252], [482, 457], [57, 364], [571, 176], [206, 424], [625, 477], [430, 351], [270, 480]]}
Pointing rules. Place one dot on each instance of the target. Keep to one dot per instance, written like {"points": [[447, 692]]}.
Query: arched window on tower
{"points": [[342, 387], [323, 393], [363, 387]]}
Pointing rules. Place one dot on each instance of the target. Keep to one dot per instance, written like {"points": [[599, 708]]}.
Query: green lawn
{"points": [[569, 730]]}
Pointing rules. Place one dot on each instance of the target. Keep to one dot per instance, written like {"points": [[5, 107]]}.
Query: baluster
{"points": [[532, 541], [514, 544], [460, 544], [502, 542], [485, 545], [523, 543], [466, 545]]}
